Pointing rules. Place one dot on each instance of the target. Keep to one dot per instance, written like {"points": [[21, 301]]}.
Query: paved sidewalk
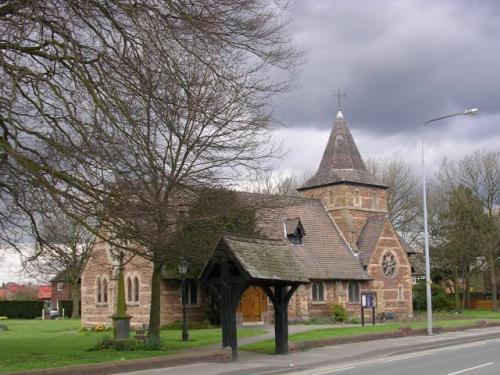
{"points": [[292, 328], [255, 364]]}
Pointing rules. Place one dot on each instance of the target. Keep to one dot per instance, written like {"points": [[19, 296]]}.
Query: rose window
{"points": [[389, 264]]}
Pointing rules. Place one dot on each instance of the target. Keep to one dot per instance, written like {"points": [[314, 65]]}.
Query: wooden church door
{"points": [[252, 304]]}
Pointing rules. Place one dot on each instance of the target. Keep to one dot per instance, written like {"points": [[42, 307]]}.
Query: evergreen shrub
{"points": [[21, 309]]}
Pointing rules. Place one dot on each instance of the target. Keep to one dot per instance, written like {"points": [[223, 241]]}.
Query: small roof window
{"points": [[294, 230]]}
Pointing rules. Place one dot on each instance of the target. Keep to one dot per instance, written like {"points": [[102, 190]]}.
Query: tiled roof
{"points": [[408, 248], [417, 262], [369, 236], [44, 292], [265, 259], [341, 160], [323, 252]]}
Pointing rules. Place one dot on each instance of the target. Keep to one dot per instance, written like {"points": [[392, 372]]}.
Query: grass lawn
{"points": [[31, 344], [468, 317]]}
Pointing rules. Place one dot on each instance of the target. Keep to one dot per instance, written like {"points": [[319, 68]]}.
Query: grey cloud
{"points": [[399, 62]]}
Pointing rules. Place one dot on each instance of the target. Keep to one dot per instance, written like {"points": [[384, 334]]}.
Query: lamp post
{"points": [[470, 112], [183, 268]]}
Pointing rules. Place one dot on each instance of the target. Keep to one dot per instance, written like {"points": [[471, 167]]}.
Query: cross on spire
{"points": [[339, 96]]}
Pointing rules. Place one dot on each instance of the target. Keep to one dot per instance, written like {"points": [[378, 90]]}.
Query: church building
{"points": [[336, 234]]}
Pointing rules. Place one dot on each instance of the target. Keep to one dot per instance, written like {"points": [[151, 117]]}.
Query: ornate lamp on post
{"points": [[183, 269], [467, 112]]}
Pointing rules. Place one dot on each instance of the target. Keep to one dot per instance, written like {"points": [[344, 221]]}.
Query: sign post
{"points": [[368, 301]]}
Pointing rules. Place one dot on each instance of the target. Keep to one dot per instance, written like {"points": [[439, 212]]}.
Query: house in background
{"points": [[61, 291], [13, 291]]}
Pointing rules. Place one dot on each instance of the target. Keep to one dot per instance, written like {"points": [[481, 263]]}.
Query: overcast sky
{"points": [[400, 63]]}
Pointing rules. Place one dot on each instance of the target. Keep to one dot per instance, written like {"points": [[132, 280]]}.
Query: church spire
{"points": [[341, 160]]}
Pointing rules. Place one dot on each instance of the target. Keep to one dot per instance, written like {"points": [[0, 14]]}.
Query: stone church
{"points": [[337, 232]]}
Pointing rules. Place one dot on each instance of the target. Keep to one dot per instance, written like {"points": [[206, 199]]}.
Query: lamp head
{"points": [[471, 112]]}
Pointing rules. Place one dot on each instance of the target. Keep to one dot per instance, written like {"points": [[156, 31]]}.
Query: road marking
{"points": [[407, 357], [466, 346], [333, 370], [470, 368]]}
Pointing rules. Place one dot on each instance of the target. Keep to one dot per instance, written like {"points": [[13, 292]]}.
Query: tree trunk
{"points": [[493, 278], [75, 296], [154, 313], [457, 293], [467, 293]]}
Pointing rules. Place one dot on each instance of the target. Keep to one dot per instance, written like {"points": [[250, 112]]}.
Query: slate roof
{"points": [[341, 161], [323, 253], [417, 262], [264, 259], [369, 237]]}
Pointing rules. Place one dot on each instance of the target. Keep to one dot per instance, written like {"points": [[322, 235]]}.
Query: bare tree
{"points": [[403, 202], [56, 57], [480, 172], [64, 248], [122, 110], [277, 183]]}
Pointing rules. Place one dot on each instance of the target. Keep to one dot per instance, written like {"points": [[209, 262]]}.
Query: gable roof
{"points": [[341, 161], [369, 237], [323, 252], [263, 259]]}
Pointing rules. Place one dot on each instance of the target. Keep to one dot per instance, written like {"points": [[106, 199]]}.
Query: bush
{"points": [[212, 313], [150, 343], [67, 305], [3, 318], [118, 345], [21, 309], [440, 300], [354, 320], [339, 313], [191, 325], [316, 321]]}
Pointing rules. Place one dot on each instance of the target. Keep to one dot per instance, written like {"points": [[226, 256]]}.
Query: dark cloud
{"points": [[400, 63]]}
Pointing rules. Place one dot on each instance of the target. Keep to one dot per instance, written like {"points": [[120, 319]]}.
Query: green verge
{"points": [[32, 344], [267, 346]]}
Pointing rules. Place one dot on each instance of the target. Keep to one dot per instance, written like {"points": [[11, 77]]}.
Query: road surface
{"points": [[478, 358]]}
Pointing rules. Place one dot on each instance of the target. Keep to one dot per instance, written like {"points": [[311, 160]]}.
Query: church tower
{"points": [[349, 192]]}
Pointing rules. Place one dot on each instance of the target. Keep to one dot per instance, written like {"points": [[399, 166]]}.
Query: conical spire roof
{"points": [[341, 160]]}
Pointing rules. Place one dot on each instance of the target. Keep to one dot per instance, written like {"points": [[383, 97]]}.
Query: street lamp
{"points": [[183, 269], [469, 112]]}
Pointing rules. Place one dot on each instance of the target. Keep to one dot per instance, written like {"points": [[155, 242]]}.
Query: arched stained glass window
{"points": [[136, 289], [105, 290], [129, 289], [99, 290]]}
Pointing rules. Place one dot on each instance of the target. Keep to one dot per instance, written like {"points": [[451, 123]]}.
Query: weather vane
{"points": [[339, 96]]}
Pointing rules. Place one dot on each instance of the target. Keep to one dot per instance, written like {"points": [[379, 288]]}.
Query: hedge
{"points": [[67, 305], [21, 309]]}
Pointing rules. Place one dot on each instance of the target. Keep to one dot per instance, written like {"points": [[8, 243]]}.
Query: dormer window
{"points": [[294, 231]]}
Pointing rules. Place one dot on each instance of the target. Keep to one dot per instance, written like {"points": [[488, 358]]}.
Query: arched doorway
{"points": [[253, 304]]}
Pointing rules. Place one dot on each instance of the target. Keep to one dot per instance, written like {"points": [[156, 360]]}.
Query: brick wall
{"points": [[60, 295], [100, 264], [389, 298]]}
